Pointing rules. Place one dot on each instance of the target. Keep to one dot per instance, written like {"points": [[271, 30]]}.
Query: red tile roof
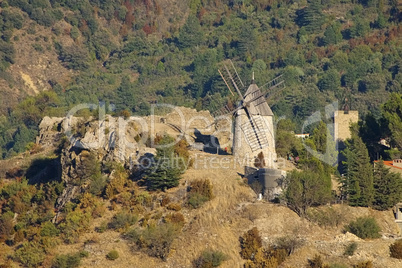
{"points": [[389, 163]]}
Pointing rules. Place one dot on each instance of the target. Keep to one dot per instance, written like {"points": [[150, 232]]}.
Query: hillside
{"points": [[97, 167], [134, 53], [219, 223], [87, 201]]}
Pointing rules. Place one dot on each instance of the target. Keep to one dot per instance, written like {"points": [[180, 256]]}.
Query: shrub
{"points": [[288, 243], [74, 223], [325, 217], [83, 253], [210, 258], [66, 261], [262, 258], [6, 225], [396, 249], [117, 183], [200, 192], [350, 249], [154, 240], [102, 227], [250, 242], [316, 262], [165, 201], [196, 200], [112, 255], [49, 229], [203, 187], [364, 264], [175, 218], [364, 227], [174, 206], [30, 254], [122, 220]]}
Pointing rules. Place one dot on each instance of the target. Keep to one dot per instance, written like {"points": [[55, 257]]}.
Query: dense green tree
{"points": [[7, 53], [204, 71], [285, 141], [331, 80], [358, 182], [22, 137], [312, 16], [324, 144], [339, 61], [165, 170], [332, 34], [392, 113], [306, 189], [247, 40], [190, 34], [387, 187], [360, 54], [371, 131], [360, 28], [74, 57], [295, 58], [381, 22]]}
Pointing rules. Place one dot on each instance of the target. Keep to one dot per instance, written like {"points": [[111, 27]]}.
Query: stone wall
{"points": [[342, 123]]}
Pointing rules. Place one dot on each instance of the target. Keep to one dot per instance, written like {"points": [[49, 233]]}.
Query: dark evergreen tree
{"points": [[358, 183], [190, 34], [387, 187], [332, 34], [371, 131], [392, 113], [247, 39], [165, 170], [331, 80], [381, 22], [306, 189], [360, 28], [204, 71], [312, 17]]}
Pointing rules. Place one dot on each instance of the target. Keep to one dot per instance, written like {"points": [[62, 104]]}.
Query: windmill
{"points": [[253, 129]]}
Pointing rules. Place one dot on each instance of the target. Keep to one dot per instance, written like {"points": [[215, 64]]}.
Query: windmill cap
{"points": [[258, 106]]}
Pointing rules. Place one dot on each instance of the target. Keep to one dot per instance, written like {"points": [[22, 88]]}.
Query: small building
{"points": [[394, 165], [271, 180], [302, 136]]}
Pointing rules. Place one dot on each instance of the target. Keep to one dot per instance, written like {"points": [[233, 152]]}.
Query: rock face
{"points": [[85, 143], [49, 133]]}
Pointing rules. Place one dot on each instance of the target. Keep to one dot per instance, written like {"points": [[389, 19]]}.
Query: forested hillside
{"points": [[132, 53]]}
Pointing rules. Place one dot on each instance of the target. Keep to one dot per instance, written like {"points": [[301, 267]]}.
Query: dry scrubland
{"points": [[234, 210]]}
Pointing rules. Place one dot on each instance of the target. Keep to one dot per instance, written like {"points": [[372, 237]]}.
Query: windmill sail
{"points": [[232, 79], [254, 132]]}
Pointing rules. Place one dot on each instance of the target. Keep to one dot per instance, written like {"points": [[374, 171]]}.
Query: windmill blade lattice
{"points": [[254, 133], [232, 79]]}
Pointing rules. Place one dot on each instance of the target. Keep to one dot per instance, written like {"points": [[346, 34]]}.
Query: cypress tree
{"points": [[387, 187], [358, 184], [164, 172]]}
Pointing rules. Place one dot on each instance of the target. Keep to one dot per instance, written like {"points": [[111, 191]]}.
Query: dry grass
{"points": [[218, 223]]}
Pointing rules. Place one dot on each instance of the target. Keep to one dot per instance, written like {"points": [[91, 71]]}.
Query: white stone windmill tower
{"points": [[253, 123]]}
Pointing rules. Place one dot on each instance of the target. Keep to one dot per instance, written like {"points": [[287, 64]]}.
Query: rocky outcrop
{"points": [[84, 143]]}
